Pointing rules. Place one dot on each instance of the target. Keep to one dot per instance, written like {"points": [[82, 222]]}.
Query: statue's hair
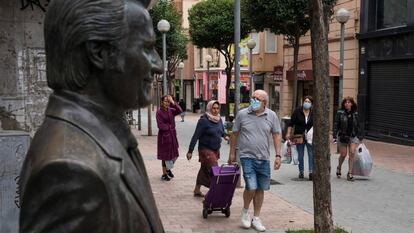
{"points": [[69, 25]]}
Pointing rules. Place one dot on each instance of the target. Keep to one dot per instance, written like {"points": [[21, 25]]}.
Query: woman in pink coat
{"points": [[167, 144]]}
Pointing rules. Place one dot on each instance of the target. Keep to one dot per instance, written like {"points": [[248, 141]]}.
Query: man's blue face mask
{"points": [[254, 104]]}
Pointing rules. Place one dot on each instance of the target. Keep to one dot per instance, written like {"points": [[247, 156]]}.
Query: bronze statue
{"points": [[83, 172]]}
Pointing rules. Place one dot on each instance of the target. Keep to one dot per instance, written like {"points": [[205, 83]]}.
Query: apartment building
{"points": [[377, 69], [304, 74]]}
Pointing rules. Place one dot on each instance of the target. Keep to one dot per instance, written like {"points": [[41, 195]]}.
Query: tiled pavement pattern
{"points": [[181, 212]]}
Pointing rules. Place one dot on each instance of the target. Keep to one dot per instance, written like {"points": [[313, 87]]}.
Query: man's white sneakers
{"points": [[257, 224], [246, 220]]}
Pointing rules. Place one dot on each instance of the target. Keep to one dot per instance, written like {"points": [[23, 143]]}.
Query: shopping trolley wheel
{"points": [[205, 212]]}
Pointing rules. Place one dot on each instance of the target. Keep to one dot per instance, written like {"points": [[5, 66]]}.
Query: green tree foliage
{"points": [[212, 26], [176, 37], [288, 17]]}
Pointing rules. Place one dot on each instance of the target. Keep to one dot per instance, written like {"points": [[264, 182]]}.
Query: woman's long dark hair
{"points": [[350, 99]]}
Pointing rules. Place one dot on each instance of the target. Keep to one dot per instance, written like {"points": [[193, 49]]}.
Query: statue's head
{"points": [[110, 42]]}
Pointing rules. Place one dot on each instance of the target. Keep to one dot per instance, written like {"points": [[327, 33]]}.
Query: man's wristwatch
{"points": [[278, 156]]}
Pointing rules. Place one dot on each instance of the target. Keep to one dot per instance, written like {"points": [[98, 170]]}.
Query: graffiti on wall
{"points": [[42, 4], [32, 84]]}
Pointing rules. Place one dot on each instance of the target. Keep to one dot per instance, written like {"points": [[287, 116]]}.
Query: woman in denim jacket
{"points": [[348, 131]]}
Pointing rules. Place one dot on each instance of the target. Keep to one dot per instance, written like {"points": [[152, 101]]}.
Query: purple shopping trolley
{"points": [[223, 183]]}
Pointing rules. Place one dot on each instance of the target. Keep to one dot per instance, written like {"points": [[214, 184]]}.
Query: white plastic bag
{"points": [[295, 158], [286, 152], [362, 162], [309, 136], [169, 164]]}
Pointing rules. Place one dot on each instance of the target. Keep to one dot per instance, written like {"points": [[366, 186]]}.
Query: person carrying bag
{"points": [[301, 123]]}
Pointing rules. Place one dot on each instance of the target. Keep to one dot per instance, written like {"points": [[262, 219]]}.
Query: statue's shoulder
{"points": [[60, 140]]}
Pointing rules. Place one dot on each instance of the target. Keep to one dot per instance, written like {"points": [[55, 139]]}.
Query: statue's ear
{"points": [[96, 53]]}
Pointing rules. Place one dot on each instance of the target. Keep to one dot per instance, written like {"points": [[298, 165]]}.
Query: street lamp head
{"points": [[181, 65], [342, 15], [163, 26], [251, 44], [208, 58]]}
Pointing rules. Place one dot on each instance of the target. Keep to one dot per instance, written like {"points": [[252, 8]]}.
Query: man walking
{"points": [[251, 131]]}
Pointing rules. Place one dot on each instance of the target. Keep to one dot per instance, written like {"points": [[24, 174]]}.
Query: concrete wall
{"points": [[23, 86]]}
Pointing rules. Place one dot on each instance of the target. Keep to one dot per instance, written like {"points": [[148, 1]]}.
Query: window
{"points": [[200, 57], [391, 13], [255, 37], [270, 42]]}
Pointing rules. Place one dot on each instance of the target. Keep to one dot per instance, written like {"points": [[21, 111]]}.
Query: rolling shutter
{"points": [[391, 99]]}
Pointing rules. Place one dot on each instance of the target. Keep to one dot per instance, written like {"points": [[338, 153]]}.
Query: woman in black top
{"points": [[302, 121], [208, 133], [347, 129]]}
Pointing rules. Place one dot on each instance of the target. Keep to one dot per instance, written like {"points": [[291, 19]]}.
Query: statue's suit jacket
{"points": [[77, 177]]}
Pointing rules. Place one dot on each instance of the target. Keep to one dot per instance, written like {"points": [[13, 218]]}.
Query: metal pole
{"points": [[202, 95], [181, 85], [208, 80], [237, 55], [341, 66], [149, 121], [250, 72], [158, 94], [164, 63], [139, 118]]}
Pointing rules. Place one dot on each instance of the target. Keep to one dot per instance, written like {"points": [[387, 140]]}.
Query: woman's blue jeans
{"points": [[301, 153]]}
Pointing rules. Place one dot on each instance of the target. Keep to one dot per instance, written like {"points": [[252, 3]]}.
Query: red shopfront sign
{"points": [[301, 75]]}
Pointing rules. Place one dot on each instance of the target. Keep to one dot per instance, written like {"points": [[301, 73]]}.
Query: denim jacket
{"points": [[341, 125]]}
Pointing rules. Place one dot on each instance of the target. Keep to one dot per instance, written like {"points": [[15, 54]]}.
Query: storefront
{"points": [[386, 70], [213, 86], [305, 82]]}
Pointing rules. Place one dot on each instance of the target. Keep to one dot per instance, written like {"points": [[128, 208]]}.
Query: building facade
{"points": [[304, 72], [386, 70]]}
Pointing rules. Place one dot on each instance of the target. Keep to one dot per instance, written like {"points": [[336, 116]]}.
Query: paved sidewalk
{"points": [[180, 211], [287, 206]]}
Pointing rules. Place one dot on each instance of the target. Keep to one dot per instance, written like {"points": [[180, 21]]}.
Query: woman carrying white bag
{"points": [[348, 131]]}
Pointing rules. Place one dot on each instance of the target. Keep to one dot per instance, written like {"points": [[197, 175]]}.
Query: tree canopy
{"points": [[212, 26], [288, 17], [176, 37]]}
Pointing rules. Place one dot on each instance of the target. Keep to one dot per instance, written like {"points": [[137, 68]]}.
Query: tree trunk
{"points": [[322, 165], [295, 72]]}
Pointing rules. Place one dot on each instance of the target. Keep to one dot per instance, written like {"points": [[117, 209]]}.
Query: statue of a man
{"points": [[83, 172]]}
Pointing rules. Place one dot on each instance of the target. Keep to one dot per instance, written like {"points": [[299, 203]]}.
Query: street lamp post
{"points": [[342, 16], [251, 44], [164, 26], [236, 56], [181, 68], [208, 59]]}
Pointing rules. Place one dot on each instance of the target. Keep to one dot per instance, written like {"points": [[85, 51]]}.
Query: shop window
{"points": [[200, 57], [391, 13]]}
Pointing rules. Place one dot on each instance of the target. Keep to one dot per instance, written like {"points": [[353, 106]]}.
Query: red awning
{"points": [[305, 69]]}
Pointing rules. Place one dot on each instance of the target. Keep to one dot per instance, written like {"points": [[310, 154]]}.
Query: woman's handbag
{"points": [[297, 138]]}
